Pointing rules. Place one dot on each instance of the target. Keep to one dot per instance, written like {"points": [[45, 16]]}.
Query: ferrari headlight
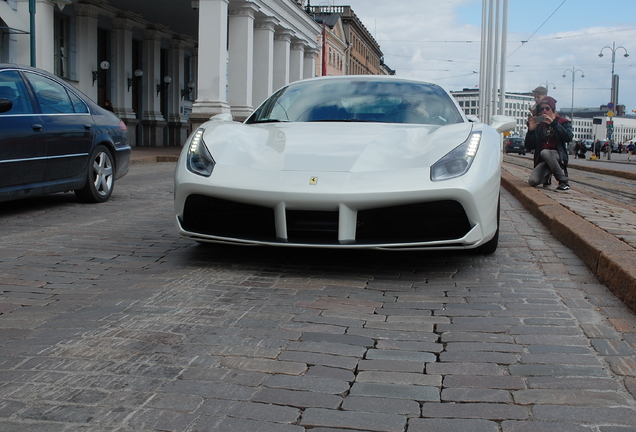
{"points": [[199, 159], [458, 161]]}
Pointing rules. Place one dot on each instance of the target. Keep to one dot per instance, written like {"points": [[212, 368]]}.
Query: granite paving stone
{"points": [[536, 426], [405, 407], [488, 411], [586, 415], [123, 326], [446, 425], [412, 356], [295, 398], [369, 421], [568, 397], [475, 395], [395, 391]]}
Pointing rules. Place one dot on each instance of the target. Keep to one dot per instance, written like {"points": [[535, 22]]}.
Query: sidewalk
{"points": [[601, 235], [154, 154]]}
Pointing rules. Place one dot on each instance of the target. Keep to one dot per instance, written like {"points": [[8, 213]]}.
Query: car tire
{"points": [[491, 245], [100, 177]]}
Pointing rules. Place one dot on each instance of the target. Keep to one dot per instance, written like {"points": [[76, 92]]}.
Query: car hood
{"points": [[332, 147]]}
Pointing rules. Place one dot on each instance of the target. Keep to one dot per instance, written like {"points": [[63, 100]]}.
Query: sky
{"points": [[439, 41]]}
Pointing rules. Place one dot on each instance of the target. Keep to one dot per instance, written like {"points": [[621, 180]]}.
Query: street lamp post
{"points": [[32, 30], [614, 95], [547, 85], [574, 71]]}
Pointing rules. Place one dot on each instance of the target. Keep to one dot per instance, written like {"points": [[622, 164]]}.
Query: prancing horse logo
{"points": [[313, 180]]}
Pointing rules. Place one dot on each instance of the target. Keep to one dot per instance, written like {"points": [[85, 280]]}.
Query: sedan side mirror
{"points": [[5, 105]]}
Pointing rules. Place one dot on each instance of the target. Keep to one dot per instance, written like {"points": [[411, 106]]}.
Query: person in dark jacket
{"points": [[548, 139]]}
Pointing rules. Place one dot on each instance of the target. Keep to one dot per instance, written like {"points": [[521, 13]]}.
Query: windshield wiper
{"points": [[270, 121], [352, 120]]}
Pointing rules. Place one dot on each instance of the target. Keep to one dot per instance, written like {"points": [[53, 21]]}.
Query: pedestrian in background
{"points": [[597, 149], [538, 93], [548, 135]]}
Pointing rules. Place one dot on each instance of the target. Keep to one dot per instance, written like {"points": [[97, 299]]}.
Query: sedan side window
{"points": [[52, 96], [78, 104], [12, 87]]}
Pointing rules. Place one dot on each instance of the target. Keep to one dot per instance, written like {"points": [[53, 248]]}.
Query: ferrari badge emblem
{"points": [[313, 180]]}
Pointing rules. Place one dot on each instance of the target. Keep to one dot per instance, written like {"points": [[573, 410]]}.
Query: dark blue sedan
{"points": [[55, 139]]}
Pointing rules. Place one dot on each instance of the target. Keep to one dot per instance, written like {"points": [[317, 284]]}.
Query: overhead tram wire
{"points": [[539, 28]]}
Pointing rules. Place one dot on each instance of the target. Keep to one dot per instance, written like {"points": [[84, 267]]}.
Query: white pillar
{"points": [[152, 76], [177, 122], [122, 69], [44, 41], [263, 73], [309, 68], [241, 59], [296, 60], [282, 42], [212, 61], [86, 49]]}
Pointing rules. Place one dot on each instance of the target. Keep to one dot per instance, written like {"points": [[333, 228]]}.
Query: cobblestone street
{"points": [[110, 322]]}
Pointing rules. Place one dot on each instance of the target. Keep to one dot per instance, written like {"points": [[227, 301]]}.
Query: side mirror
{"points": [[227, 117], [473, 118], [502, 123], [5, 105]]}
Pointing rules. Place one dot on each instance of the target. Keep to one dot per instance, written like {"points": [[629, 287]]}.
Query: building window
{"points": [[61, 31]]}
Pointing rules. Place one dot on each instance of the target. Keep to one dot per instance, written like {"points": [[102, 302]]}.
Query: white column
{"points": [[44, 38], [309, 68], [122, 69], [179, 81], [212, 61], [241, 58], [263, 73], [177, 122], [282, 42], [86, 48], [296, 60], [152, 75]]}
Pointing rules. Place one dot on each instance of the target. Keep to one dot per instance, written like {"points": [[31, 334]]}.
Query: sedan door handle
{"points": [[37, 127], [87, 126]]}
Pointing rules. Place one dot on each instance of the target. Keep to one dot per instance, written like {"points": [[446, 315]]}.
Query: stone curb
{"points": [[153, 159], [606, 171], [611, 260]]}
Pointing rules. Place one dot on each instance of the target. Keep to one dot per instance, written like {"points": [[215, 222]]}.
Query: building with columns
{"points": [[347, 37], [166, 65]]}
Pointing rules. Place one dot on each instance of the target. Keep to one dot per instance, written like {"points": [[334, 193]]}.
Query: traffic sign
{"points": [[610, 113], [610, 105]]}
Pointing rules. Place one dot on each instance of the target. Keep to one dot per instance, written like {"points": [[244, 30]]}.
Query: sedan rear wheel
{"points": [[100, 177]]}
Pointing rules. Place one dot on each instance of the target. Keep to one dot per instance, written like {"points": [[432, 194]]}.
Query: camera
{"points": [[539, 119]]}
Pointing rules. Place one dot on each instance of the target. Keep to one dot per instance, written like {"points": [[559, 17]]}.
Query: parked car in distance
{"points": [[588, 143], [350, 162], [55, 139], [514, 145]]}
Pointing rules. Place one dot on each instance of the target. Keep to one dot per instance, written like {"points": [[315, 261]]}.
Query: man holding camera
{"points": [[548, 135]]}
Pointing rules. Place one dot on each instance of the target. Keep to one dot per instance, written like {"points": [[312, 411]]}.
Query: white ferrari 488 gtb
{"points": [[370, 162]]}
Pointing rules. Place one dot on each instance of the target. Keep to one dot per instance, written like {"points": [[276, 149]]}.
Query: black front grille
{"points": [[431, 221], [223, 218], [312, 226]]}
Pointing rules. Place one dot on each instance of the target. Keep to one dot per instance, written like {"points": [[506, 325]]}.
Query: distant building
{"points": [[335, 43], [362, 53], [517, 105]]}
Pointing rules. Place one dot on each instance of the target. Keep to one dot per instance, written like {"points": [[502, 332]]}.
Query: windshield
{"points": [[359, 100]]}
